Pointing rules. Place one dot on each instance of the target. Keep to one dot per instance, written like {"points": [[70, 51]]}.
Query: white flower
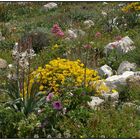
{"points": [[71, 94], [10, 66], [9, 76]]}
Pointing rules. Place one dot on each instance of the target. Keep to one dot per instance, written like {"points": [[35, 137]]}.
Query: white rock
{"points": [[74, 33], [104, 13], [50, 6], [105, 70], [3, 63], [122, 46], [1, 37], [121, 4], [126, 66], [105, 3], [113, 96], [88, 23], [117, 80], [71, 34], [96, 101]]}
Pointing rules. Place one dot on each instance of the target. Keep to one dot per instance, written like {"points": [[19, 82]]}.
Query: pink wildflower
{"points": [[98, 35], [87, 46], [57, 105], [57, 30], [49, 97]]}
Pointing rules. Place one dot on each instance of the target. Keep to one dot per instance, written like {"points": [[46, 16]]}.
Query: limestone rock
{"points": [[122, 46], [96, 101], [1, 37], [74, 33], [71, 34], [3, 63], [105, 71], [50, 6], [113, 96], [117, 80], [133, 80], [126, 66]]}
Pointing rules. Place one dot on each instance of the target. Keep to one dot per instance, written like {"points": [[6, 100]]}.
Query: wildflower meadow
{"points": [[70, 69]]}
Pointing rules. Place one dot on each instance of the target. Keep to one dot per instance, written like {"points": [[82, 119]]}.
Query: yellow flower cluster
{"points": [[134, 6], [100, 87], [55, 47], [58, 71]]}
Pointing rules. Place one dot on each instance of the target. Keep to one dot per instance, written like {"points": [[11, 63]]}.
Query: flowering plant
{"points": [[61, 71]]}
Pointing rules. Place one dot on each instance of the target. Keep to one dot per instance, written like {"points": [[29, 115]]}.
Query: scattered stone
{"points": [[117, 80], [122, 46], [50, 6], [71, 34], [105, 70], [3, 63], [74, 33], [105, 3], [126, 66], [121, 4], [133, 80], [137, 73], [96, 101], [1, 37], [113, 96], [104, 13], [88, 23]]}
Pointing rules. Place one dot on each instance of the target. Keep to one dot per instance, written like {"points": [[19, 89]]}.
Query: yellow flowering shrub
{"points": [[134, 6], [56, 73]]}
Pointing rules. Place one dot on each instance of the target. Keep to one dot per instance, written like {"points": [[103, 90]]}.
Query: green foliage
{"points": [[104, 123], [9, 122], [28, 127], [40, 40]]}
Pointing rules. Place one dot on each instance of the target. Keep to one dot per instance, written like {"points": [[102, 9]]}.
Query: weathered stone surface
{"points": [[1, 37], [74, 33], [126, 66], [71, 34], [133, 80], [122, 46], [96, 101], [3, 63], [50, 6], [105, 70], [117, 80], [113, 96]]}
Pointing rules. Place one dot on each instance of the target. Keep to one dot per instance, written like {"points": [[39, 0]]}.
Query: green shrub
{"points": [[9, 122], [40, 40]]}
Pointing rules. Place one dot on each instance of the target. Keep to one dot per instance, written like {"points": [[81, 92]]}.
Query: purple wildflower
{"points": [[57, 105], [60, 34]]}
